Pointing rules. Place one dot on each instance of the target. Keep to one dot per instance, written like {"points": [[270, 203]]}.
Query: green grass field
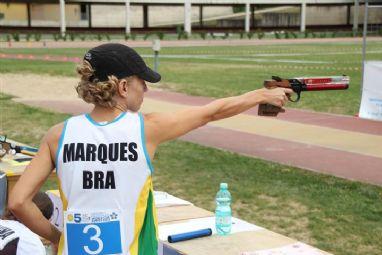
{"points": [[225, 71]]}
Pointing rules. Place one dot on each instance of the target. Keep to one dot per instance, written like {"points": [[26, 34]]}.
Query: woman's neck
{"points": [[100, 114]]}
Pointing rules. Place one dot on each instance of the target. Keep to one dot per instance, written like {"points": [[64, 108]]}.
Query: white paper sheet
{"points": [[163, 199], [297, 248], [201, 223]]}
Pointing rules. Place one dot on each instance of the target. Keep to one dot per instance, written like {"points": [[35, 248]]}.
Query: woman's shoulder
{"points": [[54, 132], [53, 135]]}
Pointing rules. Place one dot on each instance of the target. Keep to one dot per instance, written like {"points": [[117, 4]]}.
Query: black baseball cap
{"points": [[118, 60]]}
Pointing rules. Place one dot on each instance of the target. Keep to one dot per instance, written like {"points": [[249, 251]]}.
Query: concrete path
{"points": [[343, 146]]}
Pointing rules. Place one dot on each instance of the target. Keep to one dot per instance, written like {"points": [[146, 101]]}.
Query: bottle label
{"points": [[225, 220]]}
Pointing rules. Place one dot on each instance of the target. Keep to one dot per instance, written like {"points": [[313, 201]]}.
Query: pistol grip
{"points": [[268, 110]]}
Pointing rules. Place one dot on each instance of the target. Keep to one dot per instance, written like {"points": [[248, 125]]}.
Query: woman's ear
{"points": [[123, 87]]}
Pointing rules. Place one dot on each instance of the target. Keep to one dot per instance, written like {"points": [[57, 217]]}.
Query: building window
{"points": [[84, 11]]}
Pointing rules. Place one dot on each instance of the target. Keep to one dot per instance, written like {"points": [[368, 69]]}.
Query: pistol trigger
{"points": [[295, 100], [298, 96]]}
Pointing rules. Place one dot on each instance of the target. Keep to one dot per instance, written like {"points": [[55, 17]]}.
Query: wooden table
{"points": [[15, 169], [248, 240]]}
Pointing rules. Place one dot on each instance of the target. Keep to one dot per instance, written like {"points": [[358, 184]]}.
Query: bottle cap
{"points": [[223, 185]]}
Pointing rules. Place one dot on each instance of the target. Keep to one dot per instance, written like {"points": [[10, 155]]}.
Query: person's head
{"points": [[42, 201], [114, 74]]}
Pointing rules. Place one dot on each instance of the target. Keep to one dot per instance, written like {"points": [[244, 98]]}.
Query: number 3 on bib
{"points": [[94, 238], [93, 233]]}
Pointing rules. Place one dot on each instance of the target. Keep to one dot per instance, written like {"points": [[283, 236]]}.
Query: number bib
{"points": [[93, 233]]}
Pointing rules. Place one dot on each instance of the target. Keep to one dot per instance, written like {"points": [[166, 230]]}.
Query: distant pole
{"points": [[62, 18], [90, 15], [366, 13], [303, 17], [247, 16], [29, 14], [156, 60], [355, 15], [127, 18], [156, 49], [187, 16]]}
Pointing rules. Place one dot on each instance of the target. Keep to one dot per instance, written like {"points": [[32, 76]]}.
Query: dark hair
{"points": [[44, 203]]}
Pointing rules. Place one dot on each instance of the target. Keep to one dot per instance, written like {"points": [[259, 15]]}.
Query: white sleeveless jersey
{"points": [[25, 241], [104, 172]]}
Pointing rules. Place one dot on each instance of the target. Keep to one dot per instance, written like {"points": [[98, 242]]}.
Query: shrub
{"points": [[64, 37], [82, 37], [359, 33], [160, 35], [72, 36], [99, 37], [28, 37], [277, 35], [181, 33], [146, 36], [16, 37], [130, 36], [179, 29], [322, 35], [250, 35], [294, 35], [260, 34], [203, 35], [56, 37], [37, 37]]}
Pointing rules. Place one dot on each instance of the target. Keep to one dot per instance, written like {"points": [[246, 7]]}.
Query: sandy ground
{"points": [[33, 86], [41, 87]]}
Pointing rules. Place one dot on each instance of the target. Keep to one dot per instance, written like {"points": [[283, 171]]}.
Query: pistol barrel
{"points": [[326, 86], [325, 83]]}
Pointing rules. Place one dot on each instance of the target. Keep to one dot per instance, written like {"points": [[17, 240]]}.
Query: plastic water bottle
{"points": [[223, 214]]}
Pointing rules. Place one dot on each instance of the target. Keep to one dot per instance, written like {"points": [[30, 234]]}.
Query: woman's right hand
{"points": [[275, 96]]}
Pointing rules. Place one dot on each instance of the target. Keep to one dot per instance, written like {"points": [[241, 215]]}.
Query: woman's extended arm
{"points": [[161, 127]]}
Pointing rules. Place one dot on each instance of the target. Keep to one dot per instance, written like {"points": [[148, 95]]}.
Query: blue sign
{"points": [[94, 238]]}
